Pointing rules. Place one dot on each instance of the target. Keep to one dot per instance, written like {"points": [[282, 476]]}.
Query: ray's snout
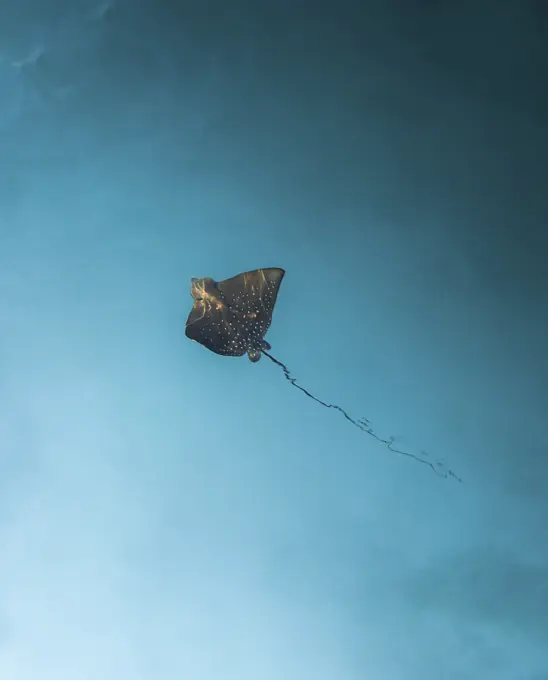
{"points": [[203, 288], [196, 288]]}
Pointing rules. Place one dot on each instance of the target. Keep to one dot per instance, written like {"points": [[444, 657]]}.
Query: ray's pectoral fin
{"points": [[197, 314], [212, 325]]}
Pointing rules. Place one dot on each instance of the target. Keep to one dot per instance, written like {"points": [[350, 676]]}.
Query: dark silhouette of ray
{"points": [[231, 317], [365, 426]]}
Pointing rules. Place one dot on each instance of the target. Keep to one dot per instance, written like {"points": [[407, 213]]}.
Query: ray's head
{"points": [[201, 288]]}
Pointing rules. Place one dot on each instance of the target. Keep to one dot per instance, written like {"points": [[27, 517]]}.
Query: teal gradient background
{"points": [[167, 513]]}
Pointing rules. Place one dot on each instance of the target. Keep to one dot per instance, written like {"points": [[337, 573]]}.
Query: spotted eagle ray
{"points": [[231, 318]]}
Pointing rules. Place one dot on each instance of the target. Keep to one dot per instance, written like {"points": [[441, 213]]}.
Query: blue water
{"points": [[169, 513]]}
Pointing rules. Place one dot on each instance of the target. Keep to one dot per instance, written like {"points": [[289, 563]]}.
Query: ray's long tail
{"points": [[365, 426]]}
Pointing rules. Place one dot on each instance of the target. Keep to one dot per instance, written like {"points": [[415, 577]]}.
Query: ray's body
{"points": [[231, 317]]}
